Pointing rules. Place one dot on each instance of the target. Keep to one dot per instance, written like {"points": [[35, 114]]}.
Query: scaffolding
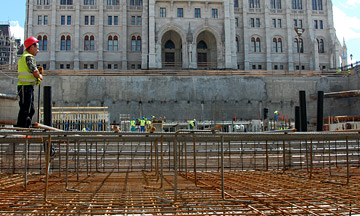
{"points": [[187, 172]]}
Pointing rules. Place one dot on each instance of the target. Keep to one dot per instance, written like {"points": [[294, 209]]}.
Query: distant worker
{"points": [[142, 124], [276, 114], [192, 124], [28, 76], [148, 125], [133, 124]]}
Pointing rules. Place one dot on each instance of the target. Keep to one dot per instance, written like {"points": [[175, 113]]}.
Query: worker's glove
{"points": [[38, 81], [41, 70]]}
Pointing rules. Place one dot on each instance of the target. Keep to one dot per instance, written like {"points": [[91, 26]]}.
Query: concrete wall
{"points": [[200, 97], [9, 109]]}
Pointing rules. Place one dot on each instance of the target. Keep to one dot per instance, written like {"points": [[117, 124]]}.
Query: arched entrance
{"points": [[171, 45], [206, 50]]}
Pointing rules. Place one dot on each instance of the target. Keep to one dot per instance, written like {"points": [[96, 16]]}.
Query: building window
{"points": [[279, 23], [317, 5], [112, 2], [85, 66], [61, 66], [109, 66], [62, 43], [89, 2], [86, 20], [258, 22], [236, 22], [112, 43], [116, 20], [44, 66], [260, 67], [66, 2], [281, 67], [236, 3], [116, 66], [45, 20], [138, 20], [92, 20], [296, 4], [162, 12], [300, 23], [274, 47], [275, 4], [315, 24], [43, 2], [39, 20], [138, 43], [255, 44], [68, 20], [180, 12], [214, 13], [237, 44], [197, 13], [109, 20], [273, 23], [68, 43], [169, 45], [275, 67], [252, 22], [42, 42], [92, 66], [132, 2], [62, 20], [277, 45], [298, 46], [132, 20], [321, 46], [279, 48], [321, 25], [89, 43], [253, 67], [67, 66], [254, 3]]}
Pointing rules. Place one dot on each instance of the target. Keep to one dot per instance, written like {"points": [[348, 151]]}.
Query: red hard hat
{"points": [[30, 41]]}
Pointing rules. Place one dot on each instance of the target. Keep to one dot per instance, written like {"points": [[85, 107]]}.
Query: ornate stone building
{"points": [[9, 47], [231, 34]]}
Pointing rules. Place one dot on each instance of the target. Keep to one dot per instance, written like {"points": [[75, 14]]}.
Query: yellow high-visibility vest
{"points": [[142, 122], [132, 122], [25, 77]]}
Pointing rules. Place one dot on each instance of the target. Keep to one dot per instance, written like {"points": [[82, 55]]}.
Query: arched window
{"points": [[45, 43], [252, 44], [133, 43], [92, 42], [237, 44], [202, 45], [138, 43], [68, 43], [86, 43], [62, 44], [110, 43], [279, 45], [115, 43], [301, 45], [169, 45], [274, 45], [321, 46], [296, 45], [40, 42], [258, 45]]}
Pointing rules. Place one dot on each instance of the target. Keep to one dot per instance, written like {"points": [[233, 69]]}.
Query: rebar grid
{"points": [[247, 193], [181, 173]]}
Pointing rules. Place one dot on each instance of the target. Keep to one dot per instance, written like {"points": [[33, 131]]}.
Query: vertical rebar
{"points": [[284, 155], [186, 170], [329, 157], [311, 158], [67, 164], [151, 156], [47, 168], [162, 160], [194, 149], [87, 157], [222, 167], [96, 156], [26, 161], [347, 162], [267, 155], [77, 159]]}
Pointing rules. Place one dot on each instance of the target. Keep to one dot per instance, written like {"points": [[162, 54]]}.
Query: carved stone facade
{"points": [[221, 34]]}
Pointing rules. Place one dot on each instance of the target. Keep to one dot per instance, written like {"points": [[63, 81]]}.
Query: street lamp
{"points": [[351, 55]]}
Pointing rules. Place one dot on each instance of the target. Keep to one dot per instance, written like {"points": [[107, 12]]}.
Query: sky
{"points": [[346, 21]]}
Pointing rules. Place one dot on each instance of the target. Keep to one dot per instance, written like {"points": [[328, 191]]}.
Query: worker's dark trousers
{"points": [[26, 103]]}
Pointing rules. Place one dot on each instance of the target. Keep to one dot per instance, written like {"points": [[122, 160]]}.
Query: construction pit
{"points": [[182, 173]]}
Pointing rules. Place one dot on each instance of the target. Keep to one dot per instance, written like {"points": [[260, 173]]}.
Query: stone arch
{"points": [[172, 56]]}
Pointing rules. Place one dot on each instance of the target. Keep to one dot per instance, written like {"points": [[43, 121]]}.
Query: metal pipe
{"points": [[47, 168], [347, 162], [26, 161], [194, 155], [311, 158], [67, 164], [222, 168]]}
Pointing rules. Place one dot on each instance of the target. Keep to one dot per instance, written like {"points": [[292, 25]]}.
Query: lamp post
{"points": [[351, 55], [299, 32]]}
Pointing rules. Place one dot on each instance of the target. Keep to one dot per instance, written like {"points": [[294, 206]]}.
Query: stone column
{"points": [[123, 36], [268, 38], [145, 35], [246, 34], [53, 37], [229, 41], [290, 36], [152, 42], [101, 36], [77, 35]]}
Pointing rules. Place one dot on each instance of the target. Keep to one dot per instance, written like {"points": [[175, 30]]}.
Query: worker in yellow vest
{"points": [[28, 76], [133, 124], [142, 124], [148, 125]]}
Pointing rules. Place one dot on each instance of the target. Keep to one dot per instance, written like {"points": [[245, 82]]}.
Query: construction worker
{"points": [[28, 76], [148, 125], [133, 124], [142, 124], [192, 124], [276, 114]]}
